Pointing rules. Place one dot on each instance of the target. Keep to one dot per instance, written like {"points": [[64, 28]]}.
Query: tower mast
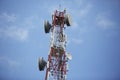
{"points": [[57, 64]]}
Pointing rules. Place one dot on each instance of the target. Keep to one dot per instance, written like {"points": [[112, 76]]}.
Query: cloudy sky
{"points": [[93, 38]]}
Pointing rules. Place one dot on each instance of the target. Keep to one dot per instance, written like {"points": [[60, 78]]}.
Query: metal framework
{"points": [[57, 65]]}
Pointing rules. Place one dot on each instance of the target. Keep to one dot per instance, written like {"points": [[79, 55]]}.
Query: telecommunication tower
{"points": [[57, 64]]}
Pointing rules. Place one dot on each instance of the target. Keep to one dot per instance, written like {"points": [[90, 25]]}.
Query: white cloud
{"points": [[104, 22], [84, 11], [9, 30], [76, 41], [81, 11], [30, 22], [7, 17], [10, 27], [9, 62], [75, 25], [14, 32]]}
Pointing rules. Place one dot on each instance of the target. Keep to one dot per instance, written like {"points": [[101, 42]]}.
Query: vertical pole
{"points": [[48, 67]]}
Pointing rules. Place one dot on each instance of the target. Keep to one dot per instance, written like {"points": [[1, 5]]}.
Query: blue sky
{"points": [[93, 39]]}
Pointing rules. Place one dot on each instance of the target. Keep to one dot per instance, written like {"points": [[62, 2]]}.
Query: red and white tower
{"points": [[57, 64]]}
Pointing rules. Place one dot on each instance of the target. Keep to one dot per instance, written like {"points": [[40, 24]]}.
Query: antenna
{"points": [[59, 7], [56, 65]]}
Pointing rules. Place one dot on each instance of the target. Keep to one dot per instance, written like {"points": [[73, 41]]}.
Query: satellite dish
{"points": [[42, 63], [47, 26], [68, 20], [69, 56]]}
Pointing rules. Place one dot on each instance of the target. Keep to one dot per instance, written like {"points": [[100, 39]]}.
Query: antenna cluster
{"points": [[57, 64]]}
